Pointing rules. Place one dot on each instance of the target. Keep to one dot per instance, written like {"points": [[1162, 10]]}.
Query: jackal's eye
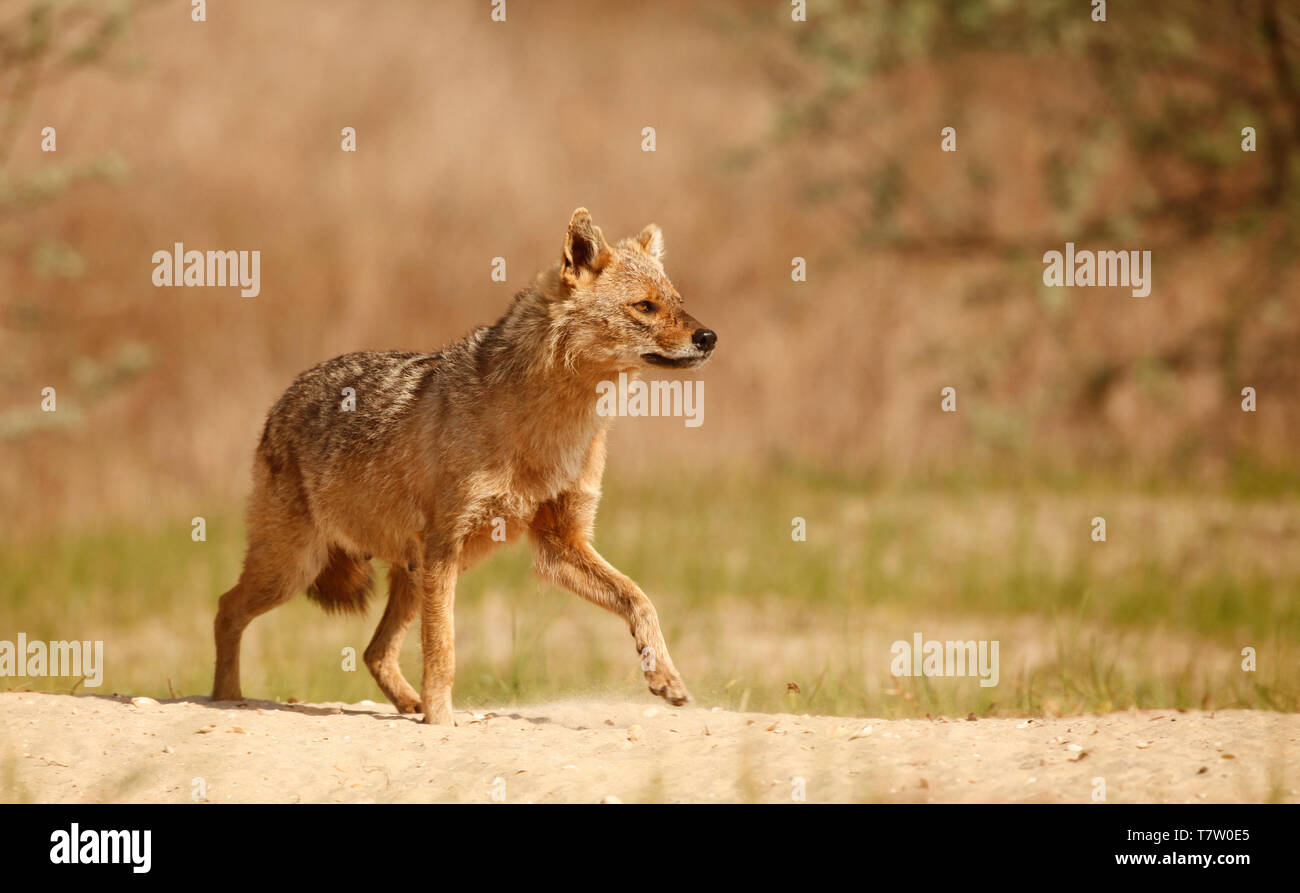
{"points": [[645, 306]]}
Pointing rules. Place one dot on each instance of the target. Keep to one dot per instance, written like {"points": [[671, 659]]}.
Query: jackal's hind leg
{"points": [[274, 572], [385, 648]]}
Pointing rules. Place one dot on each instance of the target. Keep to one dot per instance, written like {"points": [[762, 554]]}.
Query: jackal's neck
{"points": [[537, 361]]}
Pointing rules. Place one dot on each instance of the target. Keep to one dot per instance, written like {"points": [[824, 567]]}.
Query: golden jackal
{"points": [[501, 425]]}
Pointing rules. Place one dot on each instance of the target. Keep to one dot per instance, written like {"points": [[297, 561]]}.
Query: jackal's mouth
{"points": [[658, 359]]}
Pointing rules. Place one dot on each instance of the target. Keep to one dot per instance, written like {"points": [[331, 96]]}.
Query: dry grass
{"points": [[1156, 616]]}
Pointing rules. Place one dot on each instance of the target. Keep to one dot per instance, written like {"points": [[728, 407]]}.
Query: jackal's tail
{"points": [[345, 584]]}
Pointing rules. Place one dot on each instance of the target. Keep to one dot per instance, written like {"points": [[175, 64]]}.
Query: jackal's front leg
{"points": [[438, 638], [574, 564]]}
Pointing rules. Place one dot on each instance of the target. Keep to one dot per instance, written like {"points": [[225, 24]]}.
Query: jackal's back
{"points": [[345, 410]]}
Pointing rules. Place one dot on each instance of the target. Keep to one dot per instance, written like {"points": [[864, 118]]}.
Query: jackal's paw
{"points": [[438, 716], [668, 686]]}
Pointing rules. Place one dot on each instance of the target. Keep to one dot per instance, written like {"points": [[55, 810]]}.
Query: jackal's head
{"points": [[621, 304]]}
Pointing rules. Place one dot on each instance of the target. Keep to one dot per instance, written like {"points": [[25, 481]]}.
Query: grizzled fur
{"points": [[500, 425]]}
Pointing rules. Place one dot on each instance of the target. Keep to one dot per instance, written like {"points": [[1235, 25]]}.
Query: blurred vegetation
{"points": [[1116, 134], [1119, 134], [1172, 83], [39, 46], [43, 42]]}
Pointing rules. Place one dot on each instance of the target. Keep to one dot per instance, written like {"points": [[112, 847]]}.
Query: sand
{"points": [[89, 749]]}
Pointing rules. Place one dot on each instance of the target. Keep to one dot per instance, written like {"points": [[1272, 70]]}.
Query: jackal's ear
{"points": [[585, 248], [652, 240]]}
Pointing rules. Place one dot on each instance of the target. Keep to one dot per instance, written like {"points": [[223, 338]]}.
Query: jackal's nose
{"points": [[704, 339]]}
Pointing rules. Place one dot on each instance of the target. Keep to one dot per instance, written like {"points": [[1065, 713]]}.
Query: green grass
{"points": [[1155, 617]]}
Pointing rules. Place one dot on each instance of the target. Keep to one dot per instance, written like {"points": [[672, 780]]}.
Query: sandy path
{"points": [[58, 748]]}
